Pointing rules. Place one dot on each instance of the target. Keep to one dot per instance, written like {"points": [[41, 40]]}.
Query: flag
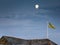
{"points": [[50, 25]]}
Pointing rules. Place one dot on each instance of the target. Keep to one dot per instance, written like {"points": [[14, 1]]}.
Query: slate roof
{"points": [[13, 39], [41, 41], [28, 42]]}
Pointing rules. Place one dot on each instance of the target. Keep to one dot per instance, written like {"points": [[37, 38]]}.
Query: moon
{"points": [[36, 6]]}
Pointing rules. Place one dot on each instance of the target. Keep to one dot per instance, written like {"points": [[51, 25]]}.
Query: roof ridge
{"points": [[11, 37]]}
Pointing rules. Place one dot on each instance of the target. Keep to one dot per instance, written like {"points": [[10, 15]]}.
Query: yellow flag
{"points": [[50, 25]]}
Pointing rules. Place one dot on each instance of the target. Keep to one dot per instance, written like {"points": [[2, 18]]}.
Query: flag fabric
{"points": [[50, 25]]}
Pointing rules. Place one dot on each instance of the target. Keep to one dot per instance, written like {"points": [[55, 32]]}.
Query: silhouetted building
{"points": [[6, 40]]}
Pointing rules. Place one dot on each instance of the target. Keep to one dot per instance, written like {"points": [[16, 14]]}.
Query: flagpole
{"points": [[47, 29]]}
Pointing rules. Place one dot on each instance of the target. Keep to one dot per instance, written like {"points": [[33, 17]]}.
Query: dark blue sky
{"points": [[19, 18]]}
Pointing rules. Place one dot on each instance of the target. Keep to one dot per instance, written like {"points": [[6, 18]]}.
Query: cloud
{"points": [[46, 8], [24, 15], [21, 28], [55, 36], [49, 4]]}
